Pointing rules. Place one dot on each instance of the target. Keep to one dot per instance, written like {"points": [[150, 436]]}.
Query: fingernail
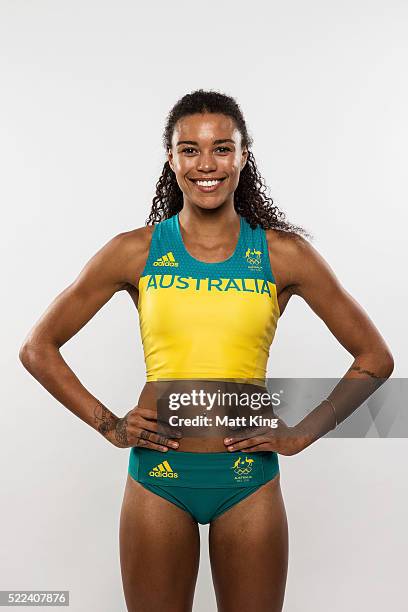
{"points": [[230, 448], [174, 444], [228, 440]]}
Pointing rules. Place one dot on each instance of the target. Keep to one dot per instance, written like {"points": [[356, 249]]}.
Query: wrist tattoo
{"points": [[104, 419], [121, 431]]}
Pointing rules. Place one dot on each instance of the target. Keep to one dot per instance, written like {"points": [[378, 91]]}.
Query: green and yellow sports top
{"points": [[207, 320]]}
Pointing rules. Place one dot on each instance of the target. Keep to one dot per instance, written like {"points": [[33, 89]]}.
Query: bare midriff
{"points": [[208, 441]]}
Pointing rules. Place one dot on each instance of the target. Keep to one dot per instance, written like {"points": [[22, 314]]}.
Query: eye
{"points": [[187, 150]]}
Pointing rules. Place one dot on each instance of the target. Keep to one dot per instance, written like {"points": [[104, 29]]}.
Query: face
{"points": [[207, 158]]}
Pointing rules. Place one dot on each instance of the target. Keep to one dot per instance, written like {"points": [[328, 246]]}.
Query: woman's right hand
{"points": [[139, 428]]}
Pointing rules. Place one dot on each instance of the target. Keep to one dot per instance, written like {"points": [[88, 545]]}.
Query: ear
{"points": [[170, 158], [244, 157]]}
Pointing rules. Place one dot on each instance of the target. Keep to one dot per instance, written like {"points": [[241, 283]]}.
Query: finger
{"points": [[260, 447], [157, 439], [141, 443], [147, 413], [151, 417], [246, 435], [154, 426], [245, 444], [236, 439]]}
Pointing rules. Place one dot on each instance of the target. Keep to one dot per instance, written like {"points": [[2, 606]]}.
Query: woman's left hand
{"points": [[283, 440]]}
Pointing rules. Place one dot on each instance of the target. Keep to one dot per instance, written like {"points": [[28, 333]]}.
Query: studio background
{"points": [[86, 87]]}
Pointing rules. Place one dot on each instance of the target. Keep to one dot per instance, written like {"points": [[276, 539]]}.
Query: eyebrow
{"points": [[193, 142]]}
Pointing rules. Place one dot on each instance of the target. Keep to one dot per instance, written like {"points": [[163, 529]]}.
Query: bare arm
{"points": [[115, 266], [373, 363]]}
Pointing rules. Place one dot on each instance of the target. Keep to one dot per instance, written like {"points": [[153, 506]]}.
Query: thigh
{"points": [[159, 552], [249, 552]]}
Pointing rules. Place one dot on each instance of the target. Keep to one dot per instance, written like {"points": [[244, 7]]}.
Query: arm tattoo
{"points": [[121, 431], [362, 371], [107, 422], [104, 419]]}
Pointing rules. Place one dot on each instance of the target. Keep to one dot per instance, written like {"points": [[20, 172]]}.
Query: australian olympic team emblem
{"points": [[253, 257], [243, 468]]}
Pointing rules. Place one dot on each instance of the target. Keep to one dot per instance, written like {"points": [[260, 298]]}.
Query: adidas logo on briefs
{"points": [[166, 260], [163, 470]]}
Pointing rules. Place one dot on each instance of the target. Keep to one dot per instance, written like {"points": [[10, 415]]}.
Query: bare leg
{"points": [[159, 552], [249, 552]]}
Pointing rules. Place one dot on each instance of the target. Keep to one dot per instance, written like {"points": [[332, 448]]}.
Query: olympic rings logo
{"points": [[254, 260]]}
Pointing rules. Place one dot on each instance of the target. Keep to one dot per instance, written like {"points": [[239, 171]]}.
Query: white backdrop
{"points": [[86, 87]]}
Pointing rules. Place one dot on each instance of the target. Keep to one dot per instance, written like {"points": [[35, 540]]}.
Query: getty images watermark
{"points": [[208, 408], [225, 400]]}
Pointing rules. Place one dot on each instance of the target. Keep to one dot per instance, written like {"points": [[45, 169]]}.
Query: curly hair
{"points": [[250, 200]]}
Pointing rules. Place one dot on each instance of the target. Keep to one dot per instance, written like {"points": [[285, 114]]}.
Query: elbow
{"points": [[378, 363], [25, 355], [36, 351], [31, 354], [386, 363]]}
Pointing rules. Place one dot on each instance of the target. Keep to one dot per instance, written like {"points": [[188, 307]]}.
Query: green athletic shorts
{"points": [[203, 484]]}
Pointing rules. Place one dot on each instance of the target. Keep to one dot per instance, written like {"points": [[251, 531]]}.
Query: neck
{"points": [[213, 223]]}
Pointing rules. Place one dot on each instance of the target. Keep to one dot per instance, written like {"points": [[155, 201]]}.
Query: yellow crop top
{"points": [[207, 320]]}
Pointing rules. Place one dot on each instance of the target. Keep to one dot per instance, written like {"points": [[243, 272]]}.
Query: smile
{"points": [[207, 185]]}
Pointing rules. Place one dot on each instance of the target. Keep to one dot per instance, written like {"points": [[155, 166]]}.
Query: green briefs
{"points": [[203, 484]]}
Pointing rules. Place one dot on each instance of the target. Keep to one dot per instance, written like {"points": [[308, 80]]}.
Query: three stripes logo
{"points": [[163, 470], [166, 260]]}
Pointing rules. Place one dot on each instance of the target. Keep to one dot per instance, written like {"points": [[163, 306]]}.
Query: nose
{"points": [[206, 162]]}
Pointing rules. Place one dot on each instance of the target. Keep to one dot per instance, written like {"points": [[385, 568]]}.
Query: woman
{"points": [[210, 274]]}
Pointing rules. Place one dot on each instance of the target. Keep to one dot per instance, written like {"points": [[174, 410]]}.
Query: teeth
{"points": [[207, 183]]}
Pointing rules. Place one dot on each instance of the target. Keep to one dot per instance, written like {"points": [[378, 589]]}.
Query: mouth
{"points": [[207, 185]]}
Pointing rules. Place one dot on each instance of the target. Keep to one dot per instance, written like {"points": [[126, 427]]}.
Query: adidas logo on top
{"points": [[163, 470], [166, 260]]}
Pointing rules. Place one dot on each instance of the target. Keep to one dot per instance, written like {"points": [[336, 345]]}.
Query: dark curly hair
{"points": [[250, 200]]}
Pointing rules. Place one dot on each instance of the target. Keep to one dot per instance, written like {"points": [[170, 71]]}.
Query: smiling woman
{"points": [[206, 183], [210, 275], [206, 139], [206, 165]]}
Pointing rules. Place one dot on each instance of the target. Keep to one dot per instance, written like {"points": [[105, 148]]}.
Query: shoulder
{"points": [[133, 243], [289, 242], [295, 257], [136, 240], [128, 252]]}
